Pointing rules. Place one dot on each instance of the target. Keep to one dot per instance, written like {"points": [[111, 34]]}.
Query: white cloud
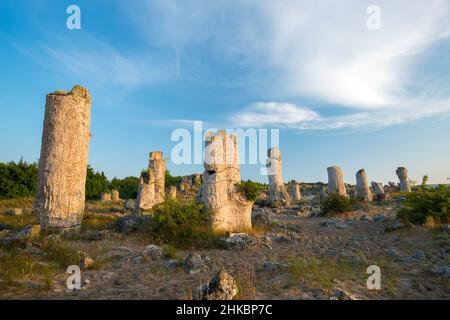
{"points": [[295, 117], [319, 51]]}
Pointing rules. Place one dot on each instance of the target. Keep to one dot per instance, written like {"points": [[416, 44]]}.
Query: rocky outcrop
{"points": [[230, 210], [221, 287], [402, 175], [277, 189], [362, 186], [60, 196], [336, 181], [378, 191], [152, 184]]}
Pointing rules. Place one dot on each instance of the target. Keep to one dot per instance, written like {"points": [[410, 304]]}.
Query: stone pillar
{"points": [[230, 210], [152, 183], [105, 197], [378, 188], [336, 181], [115, 196], [296, 196], [362, 186], [277, 189], [402, 174], [173, 192], [60, 196]]}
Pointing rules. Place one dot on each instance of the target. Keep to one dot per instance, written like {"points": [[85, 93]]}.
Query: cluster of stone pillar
{"points": [[60, 196], [230, 210], [151, 189], [277, 189]]}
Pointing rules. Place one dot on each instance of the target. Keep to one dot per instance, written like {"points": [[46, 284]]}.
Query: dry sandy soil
{"points": [[297, 258]]}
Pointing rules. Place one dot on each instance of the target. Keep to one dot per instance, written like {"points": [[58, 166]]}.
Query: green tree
{"points": [[17, 179], [96, 183], [171, 180], [128, 187]]}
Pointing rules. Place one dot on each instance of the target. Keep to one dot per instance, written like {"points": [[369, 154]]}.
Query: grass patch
{"points": [[17, 222], [60, 253], [322, 273], [246, 283], [16, 268], [441, 239], [25, 203], [96, 222]]}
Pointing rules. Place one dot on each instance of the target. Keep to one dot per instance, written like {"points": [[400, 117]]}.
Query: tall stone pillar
{"points": [[402, 174], [115, 196], [152, 183], [173, 192], [60, 196], [362, 186], [336, 181], [277, 189], [296, 195], [230, 210]]}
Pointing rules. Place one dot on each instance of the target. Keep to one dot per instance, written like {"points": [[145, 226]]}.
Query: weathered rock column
{"points": [[105, 197], [296, 195], [230, 210], [115, 196], [173, 192], [336, 181], [277, 189], [152, 183], [60, 196], [402, 174], [378, 188], [362, 186]]}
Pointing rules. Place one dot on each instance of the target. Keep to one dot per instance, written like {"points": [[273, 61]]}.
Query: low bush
{"points": [[250, 189], [335, 204], [426, 204], [181, 225]]}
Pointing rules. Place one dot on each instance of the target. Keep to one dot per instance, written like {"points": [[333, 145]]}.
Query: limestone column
{"points": [[105, 197], [152, 183], [402, 174], [115, 196], [362, 186], [60, 196], [230, 210], [173, 192], [277, 189], [296, 196], [336, 181], [378, 188]]}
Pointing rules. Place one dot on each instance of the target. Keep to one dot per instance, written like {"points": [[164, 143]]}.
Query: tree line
{"points": [[19, 180]]}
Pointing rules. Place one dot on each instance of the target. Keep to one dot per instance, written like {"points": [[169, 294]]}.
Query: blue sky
{"points": [[340, 94]]}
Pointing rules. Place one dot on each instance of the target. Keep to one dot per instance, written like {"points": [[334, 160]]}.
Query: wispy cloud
{"points": [[296, 117], [321, 51]]}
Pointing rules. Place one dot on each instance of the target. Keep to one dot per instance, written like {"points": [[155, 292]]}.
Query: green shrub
{"points": [[250, 189], [181, 225], [425, 202], [335, 204]]}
